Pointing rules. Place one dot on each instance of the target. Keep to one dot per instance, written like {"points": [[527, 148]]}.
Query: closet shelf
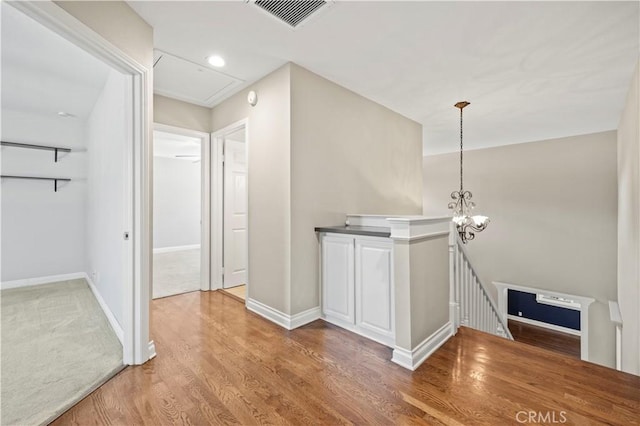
{"points": [[54, 179], [55, 149]]}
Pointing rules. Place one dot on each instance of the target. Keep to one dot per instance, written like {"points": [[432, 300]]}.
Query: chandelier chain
{"points": [[461, 150]]}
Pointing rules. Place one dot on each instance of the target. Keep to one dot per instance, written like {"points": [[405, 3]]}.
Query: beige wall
{"points": [[348, 155], [629, 228], [181, 114], [269, 184], [429, 287], [117, 23], [316, 152], [553, 210]]}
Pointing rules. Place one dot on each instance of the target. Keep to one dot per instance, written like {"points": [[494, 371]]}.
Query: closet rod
{"points": [[55, 149], [54, 179]]}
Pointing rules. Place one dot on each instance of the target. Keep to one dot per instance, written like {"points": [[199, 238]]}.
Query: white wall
{"points": [[176, 202], [553, 210], [42, 230], [107, 136], [629, 227]]}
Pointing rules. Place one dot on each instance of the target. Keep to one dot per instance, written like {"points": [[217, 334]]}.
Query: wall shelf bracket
{"points": [[54, 179], [55, 149]]}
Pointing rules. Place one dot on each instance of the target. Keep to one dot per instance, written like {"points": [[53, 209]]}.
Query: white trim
{"points": [[425, 236], [614, 313], [545, 325], [152, 349], [28, 282], [217, 202], [388, 341], [413, 359], [304, 317], [113, 322], [175, 248], [503, 289], [137, 277], [557, 301], [283, 320], [418, 227], [216, 224], [616, 317]]}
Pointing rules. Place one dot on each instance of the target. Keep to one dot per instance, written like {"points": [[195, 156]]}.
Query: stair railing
{"points": [[470, 303]]}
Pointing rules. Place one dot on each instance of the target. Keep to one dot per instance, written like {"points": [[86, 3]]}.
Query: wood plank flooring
{"points": [[239, 292], [218, 363], [551, 340]]}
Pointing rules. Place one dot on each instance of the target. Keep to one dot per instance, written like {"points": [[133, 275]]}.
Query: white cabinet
{"points": [[357, 285], [374, 292], [338, 278]]}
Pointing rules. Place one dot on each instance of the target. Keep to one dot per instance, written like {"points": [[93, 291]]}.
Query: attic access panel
{"points": [[178, 78]]}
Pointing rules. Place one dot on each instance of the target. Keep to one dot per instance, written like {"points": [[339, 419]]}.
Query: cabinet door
{"points": [[374, 290], [338, 278]]}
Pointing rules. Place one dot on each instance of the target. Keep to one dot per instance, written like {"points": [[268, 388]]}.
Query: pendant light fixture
{"points": [[466, 224]]}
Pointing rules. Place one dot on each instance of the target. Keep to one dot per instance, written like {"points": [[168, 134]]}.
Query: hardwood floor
{"points": [[555, 341], [239, 292], [218, 363]]}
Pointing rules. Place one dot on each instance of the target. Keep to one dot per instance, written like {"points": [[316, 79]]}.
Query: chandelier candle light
{"points": [[466, 224]]}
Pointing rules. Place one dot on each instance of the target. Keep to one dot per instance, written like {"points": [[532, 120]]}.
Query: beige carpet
{"points": [[57, 347], [176, 272]]}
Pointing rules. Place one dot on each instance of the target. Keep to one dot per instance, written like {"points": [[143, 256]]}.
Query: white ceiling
{"points": [[169, 145], [531, 70], [43, 73], [181, 79]]}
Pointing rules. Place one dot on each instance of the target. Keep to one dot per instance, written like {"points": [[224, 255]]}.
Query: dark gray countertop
{"points": [[371, 231]]}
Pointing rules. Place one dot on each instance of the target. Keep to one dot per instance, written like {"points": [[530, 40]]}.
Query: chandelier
{"points": [[466, 224]]}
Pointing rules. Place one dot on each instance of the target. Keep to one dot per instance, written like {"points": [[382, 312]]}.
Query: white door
{"points": [[235, 214]]}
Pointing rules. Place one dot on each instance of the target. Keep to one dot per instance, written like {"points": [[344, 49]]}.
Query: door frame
{"points": [[136, 345], [217, 202], [205, 197]]}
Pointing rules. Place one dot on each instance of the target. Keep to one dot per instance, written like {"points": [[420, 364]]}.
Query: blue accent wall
{"points": [[526, 303]]}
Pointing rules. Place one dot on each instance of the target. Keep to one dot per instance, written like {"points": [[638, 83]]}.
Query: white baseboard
{"points": [[283, 320], [27, 282], [115, 325], [545, 325], [176, 248], [305, 317], [414, 358], [152, 350]]}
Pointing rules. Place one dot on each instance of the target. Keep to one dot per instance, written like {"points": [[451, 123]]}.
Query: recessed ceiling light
{"points": [[65, 114], [216, 61]]}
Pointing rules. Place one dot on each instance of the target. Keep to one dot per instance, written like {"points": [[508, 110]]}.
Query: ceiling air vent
{"points": [[292, 13]]}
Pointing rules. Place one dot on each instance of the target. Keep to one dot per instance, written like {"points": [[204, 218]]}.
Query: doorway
{"points": [[181, 211], [73, 188], [232, 143]]}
